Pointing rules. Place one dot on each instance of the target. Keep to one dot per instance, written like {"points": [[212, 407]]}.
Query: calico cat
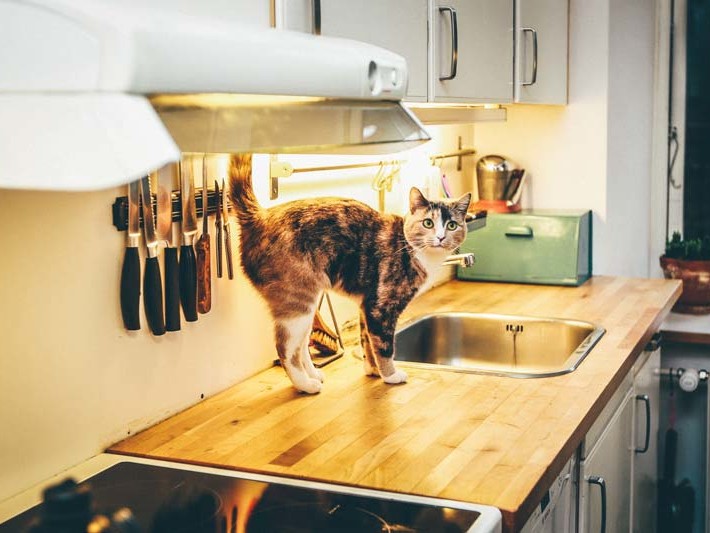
{"points": [[294, 251]]}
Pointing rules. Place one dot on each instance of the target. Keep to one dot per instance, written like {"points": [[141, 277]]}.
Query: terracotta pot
{"points": [[695, 275]]}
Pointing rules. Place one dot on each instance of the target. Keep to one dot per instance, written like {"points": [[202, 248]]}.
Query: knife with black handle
{"points": [[167, 178], [188, 263], [131, 270], [152, 282]]}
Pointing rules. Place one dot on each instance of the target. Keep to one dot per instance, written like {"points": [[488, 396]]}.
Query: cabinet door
{"points": [[472, 53], [400, 26], [396, 25], [610, 460], [294, 15], [644, 489], [541, 51]]}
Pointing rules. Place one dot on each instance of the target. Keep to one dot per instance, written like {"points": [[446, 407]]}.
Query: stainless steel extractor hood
{"points": [[97, 93], [215, 123]]}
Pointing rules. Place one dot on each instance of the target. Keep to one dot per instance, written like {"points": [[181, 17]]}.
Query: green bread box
{"points": [[550, 247]]}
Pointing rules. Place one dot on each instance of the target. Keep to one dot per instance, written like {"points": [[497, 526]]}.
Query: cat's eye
{"points": [[451, 225], [428, 223]]}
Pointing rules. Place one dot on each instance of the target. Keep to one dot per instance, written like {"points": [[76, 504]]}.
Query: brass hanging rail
{"points": [[280, 169]]}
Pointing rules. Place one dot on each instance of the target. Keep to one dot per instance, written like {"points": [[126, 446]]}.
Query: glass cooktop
{"points": [[163, 499]]}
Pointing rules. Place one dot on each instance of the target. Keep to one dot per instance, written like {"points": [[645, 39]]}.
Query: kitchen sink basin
{"points": [[517, 346]]}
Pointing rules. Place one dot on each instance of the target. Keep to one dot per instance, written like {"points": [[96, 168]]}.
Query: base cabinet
{"points": [[618, 468], [605, 476], [644, 489], [556, 512]]}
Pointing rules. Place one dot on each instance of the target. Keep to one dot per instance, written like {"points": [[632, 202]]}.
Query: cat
{"points": [[294, 251]]}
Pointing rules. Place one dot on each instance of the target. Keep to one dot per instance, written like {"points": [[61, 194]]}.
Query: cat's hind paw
{"points": [[369, 368], [399, 376]]}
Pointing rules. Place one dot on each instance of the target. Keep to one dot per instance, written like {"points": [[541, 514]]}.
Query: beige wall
{"points": [[72, 380]]}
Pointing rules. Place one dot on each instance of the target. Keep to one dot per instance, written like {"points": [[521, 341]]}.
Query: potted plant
{"points": [[689, 261]]}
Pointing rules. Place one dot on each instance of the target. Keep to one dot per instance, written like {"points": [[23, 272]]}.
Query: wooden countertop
{"points": [[490, 440]]}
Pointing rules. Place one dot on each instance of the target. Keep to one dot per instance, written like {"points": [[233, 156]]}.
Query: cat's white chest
{"points": [[432, 263]]}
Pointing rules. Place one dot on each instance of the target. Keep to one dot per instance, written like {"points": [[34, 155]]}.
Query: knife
{"points": [[218, 227], [188, 267], [227, 233], [131, 270], [204, 281], [166, 180], [152, 284]]}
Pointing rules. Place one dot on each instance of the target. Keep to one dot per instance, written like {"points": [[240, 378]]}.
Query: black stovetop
{"points": [[164, 499]]}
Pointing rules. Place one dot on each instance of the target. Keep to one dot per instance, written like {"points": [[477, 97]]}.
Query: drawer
{"points": [[535, 246]]}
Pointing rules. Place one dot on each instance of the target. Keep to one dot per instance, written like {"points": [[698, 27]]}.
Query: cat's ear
{"points": [[461, 205], [417, 200]]}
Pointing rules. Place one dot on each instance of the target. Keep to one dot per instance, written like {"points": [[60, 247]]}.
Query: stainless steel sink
{"points": [[517, 346]]}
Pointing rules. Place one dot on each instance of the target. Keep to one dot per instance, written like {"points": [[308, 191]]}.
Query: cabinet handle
{"points": [[595, 480], [454, 42], [644, 398], [316, 16], [534, 72], [655, 342], [519, 231]]}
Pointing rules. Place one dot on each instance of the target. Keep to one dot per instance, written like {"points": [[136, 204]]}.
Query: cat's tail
{"points": [[242, 194]]}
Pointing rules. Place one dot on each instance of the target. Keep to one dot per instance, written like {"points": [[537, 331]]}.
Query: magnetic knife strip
{"points": [[120, 207]]}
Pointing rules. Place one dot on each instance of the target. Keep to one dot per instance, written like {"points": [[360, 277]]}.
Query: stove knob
{"points": [[66, 507]]}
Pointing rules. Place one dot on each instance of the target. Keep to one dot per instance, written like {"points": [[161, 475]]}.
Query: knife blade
{"points": [[227, 233], [167, 177], [131, 270], [152, 284], [218, 227], [188, 267], [204, 275]]}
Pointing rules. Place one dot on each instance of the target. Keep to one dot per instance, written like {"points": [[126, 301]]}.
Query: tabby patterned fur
{"points": [[294, 251]]}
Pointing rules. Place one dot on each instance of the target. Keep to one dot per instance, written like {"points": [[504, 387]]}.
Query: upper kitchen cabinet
{"points": [[374, 22], [472, 52], [458, 51], [541, 37], [397, 25]]}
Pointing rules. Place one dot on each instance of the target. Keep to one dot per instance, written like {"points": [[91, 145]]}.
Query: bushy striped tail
{"points": [[242, 194]]}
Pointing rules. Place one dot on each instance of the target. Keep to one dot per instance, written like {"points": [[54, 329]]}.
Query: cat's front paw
{"points": [[399, 376], [315, 373], [310, 386]]}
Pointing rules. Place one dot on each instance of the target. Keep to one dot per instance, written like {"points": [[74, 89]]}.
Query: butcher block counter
{"points": [[491, 440]]}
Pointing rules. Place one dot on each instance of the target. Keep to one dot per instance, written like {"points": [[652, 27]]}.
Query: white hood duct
{"points": [[95, 94]]}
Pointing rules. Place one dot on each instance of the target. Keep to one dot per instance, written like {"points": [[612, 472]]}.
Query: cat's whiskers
{"points": [[406, 245]]}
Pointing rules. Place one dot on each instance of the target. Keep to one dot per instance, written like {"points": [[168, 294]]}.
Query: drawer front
{"points": [[529, 248]]}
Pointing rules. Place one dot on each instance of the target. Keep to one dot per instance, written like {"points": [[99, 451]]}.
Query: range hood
{"points": [[95, 94]]}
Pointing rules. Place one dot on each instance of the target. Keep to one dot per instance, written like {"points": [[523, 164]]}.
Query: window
{"points": [[689, 169]]}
